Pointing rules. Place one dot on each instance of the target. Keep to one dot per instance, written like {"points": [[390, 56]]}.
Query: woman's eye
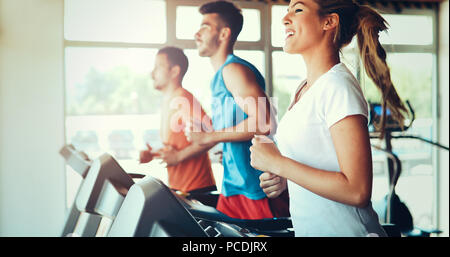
{"points": [[298, 10]]}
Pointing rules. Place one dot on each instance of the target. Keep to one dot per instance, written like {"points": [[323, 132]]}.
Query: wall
{"points": [[32, 186]]}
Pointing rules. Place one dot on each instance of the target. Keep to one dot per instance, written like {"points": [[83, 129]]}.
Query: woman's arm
{"points": [[353, 185]]}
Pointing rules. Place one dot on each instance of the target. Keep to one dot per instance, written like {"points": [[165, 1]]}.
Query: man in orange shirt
{"points": [[188, 165]]}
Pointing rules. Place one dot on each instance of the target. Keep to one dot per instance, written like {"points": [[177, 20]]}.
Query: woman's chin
{"points": [[288, 49]]}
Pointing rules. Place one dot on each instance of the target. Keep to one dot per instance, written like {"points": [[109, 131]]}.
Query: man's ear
{"points": [[175, 71], [331, 21], [225, 33]]}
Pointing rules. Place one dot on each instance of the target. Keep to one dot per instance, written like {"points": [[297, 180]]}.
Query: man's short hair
{"points": [[229, 13], [176, 57]]}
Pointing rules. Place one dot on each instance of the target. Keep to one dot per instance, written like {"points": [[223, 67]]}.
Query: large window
{"points": [[115, 21], [111, 106]]}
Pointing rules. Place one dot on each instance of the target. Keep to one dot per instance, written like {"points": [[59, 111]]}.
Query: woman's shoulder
{"points": [[339, 83], [340, 77]]}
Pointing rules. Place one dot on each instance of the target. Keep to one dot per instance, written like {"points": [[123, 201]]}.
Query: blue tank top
{"points": [[239, 177]]}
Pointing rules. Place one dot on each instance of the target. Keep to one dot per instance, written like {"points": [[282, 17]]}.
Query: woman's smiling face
{"points": [[303, 26]]}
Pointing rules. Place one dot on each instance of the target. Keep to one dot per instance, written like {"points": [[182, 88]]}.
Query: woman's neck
{"points": [[319, 61]]}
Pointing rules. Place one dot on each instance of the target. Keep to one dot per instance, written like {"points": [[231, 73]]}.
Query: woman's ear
{"points": [[331, 21]]}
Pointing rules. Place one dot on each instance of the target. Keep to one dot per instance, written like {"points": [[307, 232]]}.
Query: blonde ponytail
{"points": [[370, 24]]}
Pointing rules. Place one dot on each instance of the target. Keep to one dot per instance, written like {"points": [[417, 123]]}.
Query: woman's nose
{"points": [[286, 20]]}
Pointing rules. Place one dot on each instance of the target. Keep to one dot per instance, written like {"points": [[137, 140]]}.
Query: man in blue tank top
{"points": [[240, 109]]}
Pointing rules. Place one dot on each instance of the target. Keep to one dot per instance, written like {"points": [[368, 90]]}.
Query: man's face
{"points": [[207, 37], [161, 72]]}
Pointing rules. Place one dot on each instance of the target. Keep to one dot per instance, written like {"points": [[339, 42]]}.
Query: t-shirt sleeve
{"points": [[342, 97]]}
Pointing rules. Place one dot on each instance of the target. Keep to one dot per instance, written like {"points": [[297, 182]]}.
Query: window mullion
{"points": [[171, 15], [266, 37]]}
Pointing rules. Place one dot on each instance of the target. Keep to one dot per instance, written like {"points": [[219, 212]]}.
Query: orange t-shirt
{"points": [[195, 172]]}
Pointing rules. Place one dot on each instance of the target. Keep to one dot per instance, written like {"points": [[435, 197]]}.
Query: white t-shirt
{"points": [[304, 136]]}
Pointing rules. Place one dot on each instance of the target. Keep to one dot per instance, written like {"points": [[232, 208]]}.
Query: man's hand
{"points": [[146, 156], [169, 155], [195, 134]]}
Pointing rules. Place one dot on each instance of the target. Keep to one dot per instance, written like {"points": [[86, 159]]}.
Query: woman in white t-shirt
{"points": [[323, 154]]}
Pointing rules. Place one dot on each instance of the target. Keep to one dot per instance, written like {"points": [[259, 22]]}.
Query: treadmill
{"points": [[103, 187], [148, 207]]}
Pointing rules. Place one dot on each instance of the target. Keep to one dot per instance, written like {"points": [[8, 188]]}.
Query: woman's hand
{"points": [[263, 154], [272, 185]]}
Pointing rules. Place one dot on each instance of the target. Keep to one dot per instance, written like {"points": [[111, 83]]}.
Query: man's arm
{"points": [[248, 95], [251, 98], [172, 156], [191, 113]]}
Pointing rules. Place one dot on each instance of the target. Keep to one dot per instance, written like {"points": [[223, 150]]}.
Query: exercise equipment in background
{"points": [[391, 209], [102, 190]]}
